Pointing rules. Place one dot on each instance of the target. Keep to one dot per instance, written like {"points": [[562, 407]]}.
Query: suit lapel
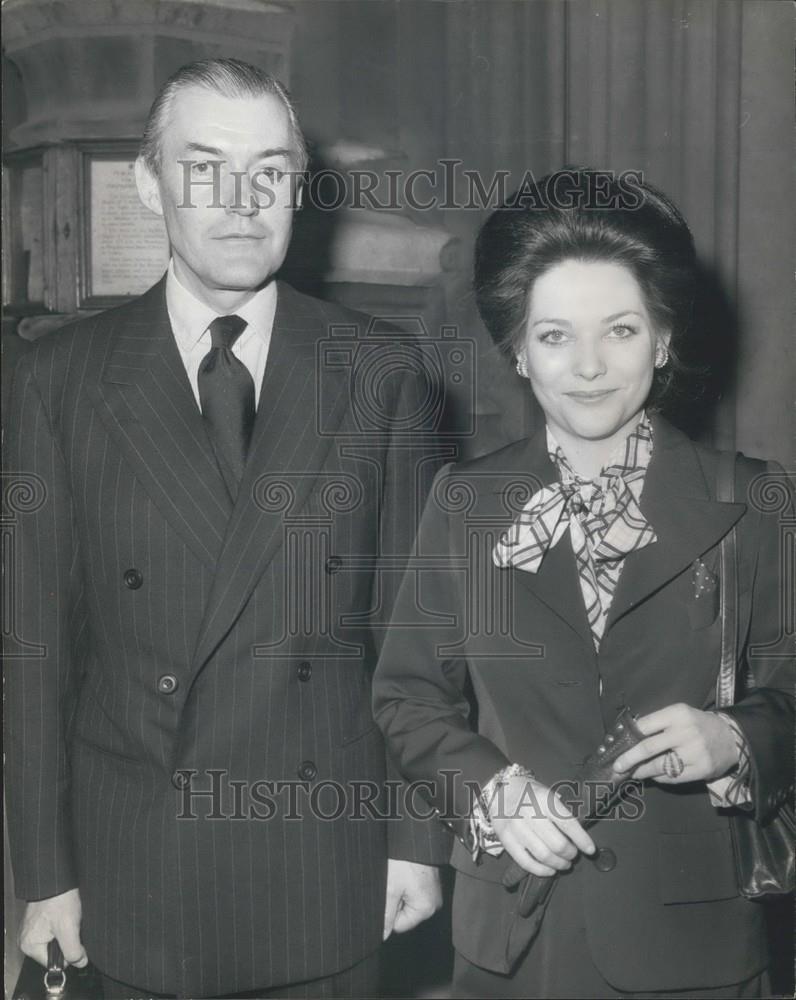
{"points": [[677, 503], [555, 583], [145, 400], [292, 434]]}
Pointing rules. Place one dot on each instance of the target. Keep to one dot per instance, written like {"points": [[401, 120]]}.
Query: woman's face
{"points": [[590, 351]]}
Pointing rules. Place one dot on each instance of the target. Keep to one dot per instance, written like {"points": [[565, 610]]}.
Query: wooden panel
{"points": [[61, 206]]}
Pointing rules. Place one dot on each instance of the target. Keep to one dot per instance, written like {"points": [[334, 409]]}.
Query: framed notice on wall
{"points": [[124, 246]]}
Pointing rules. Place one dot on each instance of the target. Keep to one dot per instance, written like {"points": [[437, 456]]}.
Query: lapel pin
{"points": [[705, 582]]}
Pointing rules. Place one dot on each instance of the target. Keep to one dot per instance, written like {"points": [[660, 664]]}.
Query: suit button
{"points": [[334, 564], [168, 684], [307, 771], [304, 670], [133, 578], [604, 860]]}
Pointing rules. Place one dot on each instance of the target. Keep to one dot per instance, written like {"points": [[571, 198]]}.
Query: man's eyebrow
{"points": [[276, 151], [198, 147]]}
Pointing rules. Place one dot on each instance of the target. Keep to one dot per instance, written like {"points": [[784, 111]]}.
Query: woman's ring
{"points": [[673, 765]]}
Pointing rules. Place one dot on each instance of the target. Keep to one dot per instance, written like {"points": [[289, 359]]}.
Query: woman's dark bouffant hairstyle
{"points": [[587, 215]]}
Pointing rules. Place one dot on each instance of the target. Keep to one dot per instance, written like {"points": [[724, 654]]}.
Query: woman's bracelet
{"points": [[483, 836]]}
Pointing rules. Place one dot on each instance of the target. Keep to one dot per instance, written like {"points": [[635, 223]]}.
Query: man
{"points": [[201, 579]]}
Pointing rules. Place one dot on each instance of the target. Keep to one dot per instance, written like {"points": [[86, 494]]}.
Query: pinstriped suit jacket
{"points": [[169, 641]]}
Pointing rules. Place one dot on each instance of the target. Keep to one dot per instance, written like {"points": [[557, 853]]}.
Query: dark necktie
{"points": [[226, 393]]}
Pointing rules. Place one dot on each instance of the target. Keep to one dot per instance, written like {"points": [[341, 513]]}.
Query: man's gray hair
{"points": [[228, 77]]}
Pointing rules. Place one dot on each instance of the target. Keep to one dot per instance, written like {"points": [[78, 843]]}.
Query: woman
{"points": [[571, 574]]}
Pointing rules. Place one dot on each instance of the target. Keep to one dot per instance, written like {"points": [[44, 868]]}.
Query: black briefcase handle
{"points": [[55, 982]]}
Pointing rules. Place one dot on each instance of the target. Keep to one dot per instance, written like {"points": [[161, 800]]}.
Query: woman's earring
{"points": [[522, 366], [661, 355]]}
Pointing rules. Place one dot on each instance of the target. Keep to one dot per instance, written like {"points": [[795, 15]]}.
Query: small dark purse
{"points": [[54, 982], [592, 795], [764, 852]]}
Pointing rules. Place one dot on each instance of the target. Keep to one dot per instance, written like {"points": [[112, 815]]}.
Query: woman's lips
{"points": [[246, 237], [592, 396]]}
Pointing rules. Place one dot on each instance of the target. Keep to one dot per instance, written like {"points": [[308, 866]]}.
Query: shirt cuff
{"points": [[733, 789]]}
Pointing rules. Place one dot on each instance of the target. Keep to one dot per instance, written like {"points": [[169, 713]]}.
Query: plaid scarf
{"points": [[603, 516]]}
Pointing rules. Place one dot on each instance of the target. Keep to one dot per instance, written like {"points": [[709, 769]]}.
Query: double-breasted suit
{"points": [[496, 666], [188, 689]]}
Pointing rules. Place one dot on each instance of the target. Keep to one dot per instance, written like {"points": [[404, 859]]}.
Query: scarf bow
{"points": [[604, 520]]}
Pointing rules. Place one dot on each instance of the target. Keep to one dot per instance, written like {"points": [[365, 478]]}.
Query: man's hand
{"points": [[57, 917], [413, 895], [703, 742], [536, 828]]}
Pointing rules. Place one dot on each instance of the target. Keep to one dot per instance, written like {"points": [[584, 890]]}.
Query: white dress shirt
{"points": [[190, 321]]}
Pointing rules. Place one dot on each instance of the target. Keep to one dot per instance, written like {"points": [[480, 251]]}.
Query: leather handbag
{"points": [[764, 852], [54, 982]]}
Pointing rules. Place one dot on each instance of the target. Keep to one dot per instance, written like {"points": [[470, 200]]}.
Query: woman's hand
{"points": [[703, 747], [536, 828]]}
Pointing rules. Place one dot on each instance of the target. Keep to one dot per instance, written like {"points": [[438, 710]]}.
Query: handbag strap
{"points": [[728, 588]]}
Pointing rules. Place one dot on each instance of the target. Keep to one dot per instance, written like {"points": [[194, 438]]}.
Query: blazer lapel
{"points": [[677, 503], [555, 583], [145, 400], [292, 434]]}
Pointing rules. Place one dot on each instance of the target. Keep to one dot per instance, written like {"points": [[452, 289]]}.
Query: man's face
{"points": [[228, 224]]}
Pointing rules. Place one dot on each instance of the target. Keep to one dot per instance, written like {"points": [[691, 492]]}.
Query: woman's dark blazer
{"points": [[667, 915]]}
